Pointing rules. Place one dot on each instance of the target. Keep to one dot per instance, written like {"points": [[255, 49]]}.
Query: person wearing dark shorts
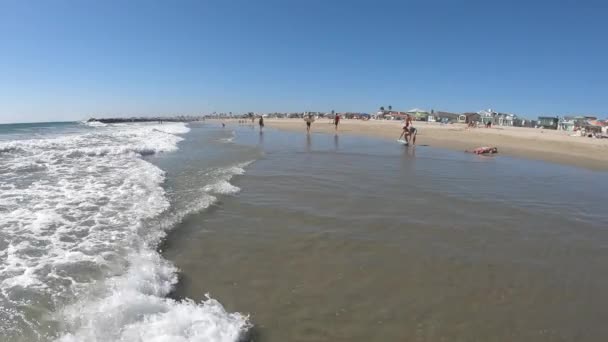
{"points": [[337, 121], [309, 120], [261, 122]]}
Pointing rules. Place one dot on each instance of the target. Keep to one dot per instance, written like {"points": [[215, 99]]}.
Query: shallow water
{"points": [[350, 238], [118, 232]]}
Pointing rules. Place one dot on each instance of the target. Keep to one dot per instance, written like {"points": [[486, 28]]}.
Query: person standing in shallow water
{"points": [[336, 121], [309, 120], [261, 123]]}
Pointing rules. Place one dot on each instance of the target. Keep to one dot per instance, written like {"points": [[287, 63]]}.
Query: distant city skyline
{"points": [[71, 60]]}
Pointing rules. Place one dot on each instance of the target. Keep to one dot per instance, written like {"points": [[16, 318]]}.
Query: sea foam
{"points": [[79, 230]]}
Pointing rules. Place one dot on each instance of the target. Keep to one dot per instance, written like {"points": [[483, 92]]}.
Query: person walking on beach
{"points": [[309, 120], [337, 121], [261, 123]]}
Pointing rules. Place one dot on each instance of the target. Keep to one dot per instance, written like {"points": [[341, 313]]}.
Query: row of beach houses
{"points": [[481, 117], [489, 116]]}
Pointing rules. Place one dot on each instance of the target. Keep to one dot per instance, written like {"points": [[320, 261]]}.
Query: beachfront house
{"points": [[355, 116], [548, 122], [505, 119], [390, 115], [419, 114], [595, 126], [446, 117], [573, 123], [472, 118], [566, 123], [521, 122], [487, 116]]}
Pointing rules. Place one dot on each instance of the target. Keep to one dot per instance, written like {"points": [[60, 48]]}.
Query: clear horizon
{"points": [[69, 61]]}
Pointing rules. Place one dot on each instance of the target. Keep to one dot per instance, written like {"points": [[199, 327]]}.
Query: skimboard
{"points": [[402, 142]]}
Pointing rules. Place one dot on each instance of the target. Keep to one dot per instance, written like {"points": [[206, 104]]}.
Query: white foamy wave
{"points": [[229, 139], [229, 172], [173, 128], [94, 123], [224, 175], [222, 187], [8, 147], [137, 139], [78, 237], [136, 310]]}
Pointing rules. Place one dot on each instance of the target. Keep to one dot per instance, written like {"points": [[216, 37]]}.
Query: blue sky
{"points": [[69, 60]]}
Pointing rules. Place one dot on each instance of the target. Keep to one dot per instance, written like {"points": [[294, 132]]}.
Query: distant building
{"points": [[521, 122], [505, 119], [548, 122], [472, 117], [572, 123], [445, 117], [487, 116], [391, 115], [419, 114]]}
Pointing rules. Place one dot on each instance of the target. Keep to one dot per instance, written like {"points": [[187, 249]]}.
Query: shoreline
{"points": [[529, 143]]}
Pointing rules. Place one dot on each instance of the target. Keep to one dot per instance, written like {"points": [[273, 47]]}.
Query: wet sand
{"points": [[538, 144]]}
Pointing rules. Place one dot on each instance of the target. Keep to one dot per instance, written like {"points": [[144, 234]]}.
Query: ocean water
{"points": [[83, 209], [175, 232], [344, 238]]}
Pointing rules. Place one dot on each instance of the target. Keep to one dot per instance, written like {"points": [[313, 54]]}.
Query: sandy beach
{"points": [[539, 144]]}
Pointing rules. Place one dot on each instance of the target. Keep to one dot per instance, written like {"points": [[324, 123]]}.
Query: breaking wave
{"points": [[79, 230]]}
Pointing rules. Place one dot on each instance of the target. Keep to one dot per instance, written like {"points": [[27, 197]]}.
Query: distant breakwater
{"points": [[126, 120]]}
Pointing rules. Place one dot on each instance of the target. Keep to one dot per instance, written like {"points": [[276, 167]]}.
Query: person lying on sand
{"points": [[484, 150]]}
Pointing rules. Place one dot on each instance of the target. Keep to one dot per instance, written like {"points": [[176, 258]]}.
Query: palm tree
{"points": [[390, 108], [382, 109]]}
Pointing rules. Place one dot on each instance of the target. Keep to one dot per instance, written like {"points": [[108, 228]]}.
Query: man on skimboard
{"points": [[408, 132]]}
